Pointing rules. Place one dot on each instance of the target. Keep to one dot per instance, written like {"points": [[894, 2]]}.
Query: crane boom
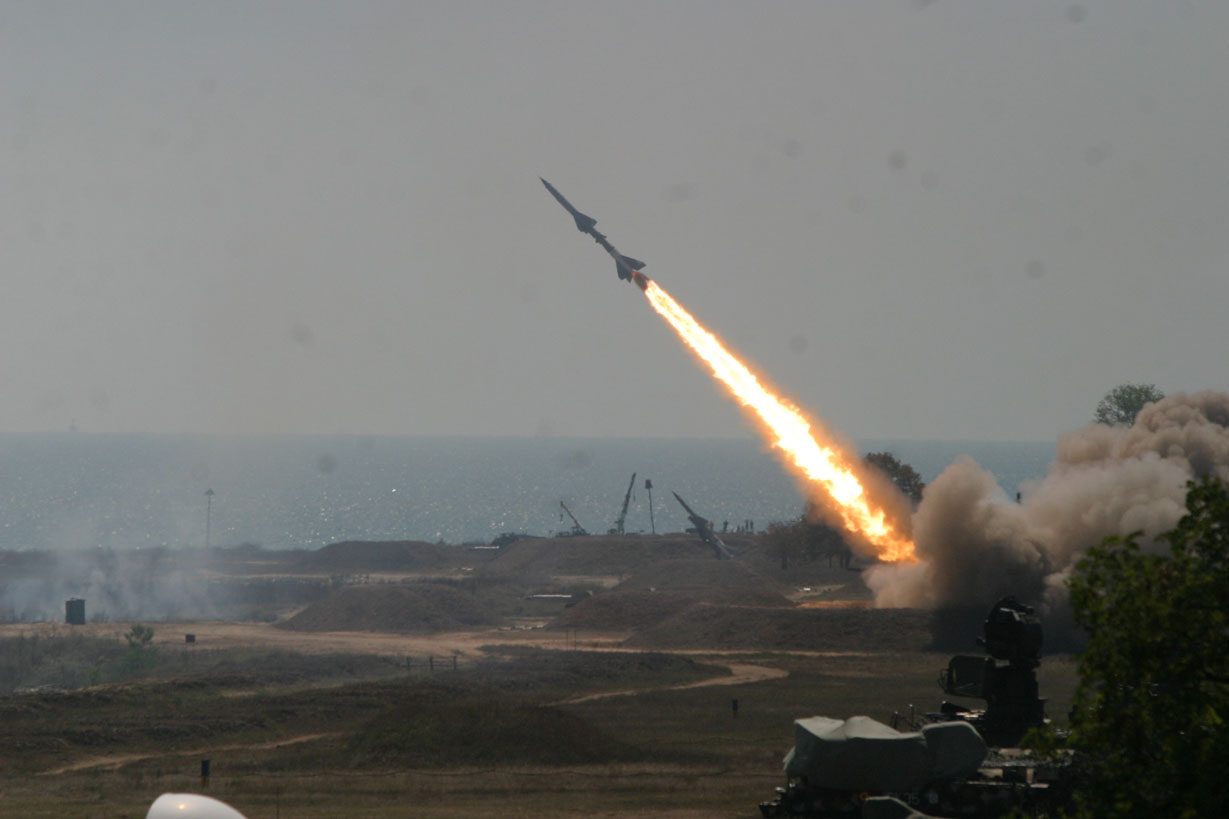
{"points": [[618, 527], [577, 529]]}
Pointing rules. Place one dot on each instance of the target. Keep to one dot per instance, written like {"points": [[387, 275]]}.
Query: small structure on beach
{"points": [[74, 611]]}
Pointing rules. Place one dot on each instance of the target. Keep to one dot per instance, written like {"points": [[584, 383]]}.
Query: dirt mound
{"points": [[701, 573], [436, 726], [514, 669], [416, 608], [353, 556], [853, 628], [624, 610], [632, 606], [592, 555]]}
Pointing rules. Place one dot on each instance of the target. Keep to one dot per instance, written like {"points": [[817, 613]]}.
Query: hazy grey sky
{"points": [[925, 220]]}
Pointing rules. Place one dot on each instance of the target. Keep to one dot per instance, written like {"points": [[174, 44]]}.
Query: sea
{"points": [[83, 491]]}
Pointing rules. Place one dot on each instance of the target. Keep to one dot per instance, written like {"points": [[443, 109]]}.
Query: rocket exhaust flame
{"points": [[820, 464]]}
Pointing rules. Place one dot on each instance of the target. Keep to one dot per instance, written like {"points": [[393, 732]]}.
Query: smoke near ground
{"points": [[117, 585], [977, 545], [150, 584]]}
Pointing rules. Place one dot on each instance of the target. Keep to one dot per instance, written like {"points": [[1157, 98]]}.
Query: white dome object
{"points": [[190, 806]]}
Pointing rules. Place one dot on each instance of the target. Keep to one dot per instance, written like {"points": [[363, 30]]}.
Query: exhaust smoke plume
{"points": [[976, 545], [969, 544]]}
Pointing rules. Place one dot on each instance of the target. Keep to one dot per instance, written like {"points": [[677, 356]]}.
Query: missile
{"points": [[705, 530], [627, 267]]}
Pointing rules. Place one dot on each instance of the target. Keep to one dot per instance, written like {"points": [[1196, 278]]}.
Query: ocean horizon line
{"points": [[479, 436]]}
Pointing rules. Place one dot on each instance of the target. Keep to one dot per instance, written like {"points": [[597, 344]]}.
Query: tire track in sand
{"points": [[740, 674], [118, 760]]}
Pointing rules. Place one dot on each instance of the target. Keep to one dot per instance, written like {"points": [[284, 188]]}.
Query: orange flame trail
{"points": [[790, 431]]}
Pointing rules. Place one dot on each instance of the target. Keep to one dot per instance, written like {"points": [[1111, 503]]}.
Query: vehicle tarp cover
{"points": [[861, 754]]}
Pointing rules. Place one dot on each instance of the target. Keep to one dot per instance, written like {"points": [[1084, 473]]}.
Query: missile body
{"points": [[705, 530], [627, 267]]}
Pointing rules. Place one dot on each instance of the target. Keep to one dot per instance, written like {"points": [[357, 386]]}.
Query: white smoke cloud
{"points": [[976, 545], [117, 585]]}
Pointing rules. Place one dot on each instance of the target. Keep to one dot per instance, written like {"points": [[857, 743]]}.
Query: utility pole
{"points": [[648, 485], [208, 513]]}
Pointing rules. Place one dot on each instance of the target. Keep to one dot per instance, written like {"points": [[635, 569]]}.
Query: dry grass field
{"points": [[616, 702]]}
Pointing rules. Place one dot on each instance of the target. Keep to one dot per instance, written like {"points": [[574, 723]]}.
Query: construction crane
{"points": [[618, 527], [577, 529]]}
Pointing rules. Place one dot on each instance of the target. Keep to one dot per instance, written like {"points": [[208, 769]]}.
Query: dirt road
{"points": [[119, 760], [740, 674], [217, 634]]}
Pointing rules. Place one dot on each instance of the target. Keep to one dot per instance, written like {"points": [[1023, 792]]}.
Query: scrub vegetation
{"points": [[577, 675]]}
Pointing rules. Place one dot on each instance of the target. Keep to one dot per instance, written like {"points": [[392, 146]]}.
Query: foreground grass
{"points": [[511, 792], [307, 752]]}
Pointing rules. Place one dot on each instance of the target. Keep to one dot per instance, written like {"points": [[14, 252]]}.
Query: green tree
{"points": [[1153, 697], [806, 539], [139, 636], [905, 477], [141, 657], [1121, 404]]}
